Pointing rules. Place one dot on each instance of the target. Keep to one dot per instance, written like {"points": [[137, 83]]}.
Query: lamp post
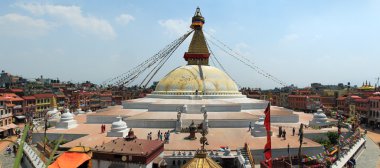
{"points": [[339, 133], [300, 147], [45, 129]]}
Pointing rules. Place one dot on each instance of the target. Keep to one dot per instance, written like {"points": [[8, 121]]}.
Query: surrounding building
{"points": [[124, 152], [373, 113], [43, 103], [6, 115]]}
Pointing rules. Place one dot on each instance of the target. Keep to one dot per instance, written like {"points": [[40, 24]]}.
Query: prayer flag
{"points": [[268, 145]]}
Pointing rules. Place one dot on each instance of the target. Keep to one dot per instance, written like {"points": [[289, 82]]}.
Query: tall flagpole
{"points": [[268, 145]]}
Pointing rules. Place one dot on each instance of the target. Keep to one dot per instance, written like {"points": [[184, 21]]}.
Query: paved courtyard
{"points": [[370, 157], [5, 159]]}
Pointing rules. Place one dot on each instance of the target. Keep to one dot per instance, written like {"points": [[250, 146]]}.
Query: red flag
{"points": [[268, 146]]}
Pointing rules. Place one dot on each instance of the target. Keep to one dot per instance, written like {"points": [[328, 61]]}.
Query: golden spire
{"points": [[198, 52], [201, 159], [53, 102]]}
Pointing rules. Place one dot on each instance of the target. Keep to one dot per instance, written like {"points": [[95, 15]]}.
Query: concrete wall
{"points": [[285, 119], [38, 137], [258, 155], [229, 123], [256, 105], [97, 119], [105, 164], [194, 97], [195, 108], [135, 105], [151, 123], [226, 123], [316, 136]]}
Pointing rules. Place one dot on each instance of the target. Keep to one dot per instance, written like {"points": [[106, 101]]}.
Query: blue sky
{"points": [[298, 41]]}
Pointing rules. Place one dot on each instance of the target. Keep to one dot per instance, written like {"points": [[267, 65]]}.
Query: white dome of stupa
{"points": [[260, 122], [319, 115], [53, 114], [67, 115], [118, 125]]}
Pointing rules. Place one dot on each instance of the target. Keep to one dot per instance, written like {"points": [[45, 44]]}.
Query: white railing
{"points": [[34, 159], [344, 159], [17, 107]]}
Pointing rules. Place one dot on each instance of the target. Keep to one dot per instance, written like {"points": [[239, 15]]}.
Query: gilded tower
{"points": [[198, 53]]}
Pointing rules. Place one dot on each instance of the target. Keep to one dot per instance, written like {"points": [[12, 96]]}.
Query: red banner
{"points": [[268, 146]]}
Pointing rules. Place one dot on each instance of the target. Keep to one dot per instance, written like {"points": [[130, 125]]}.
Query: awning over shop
{"points": [[7, 127], [70, 159], [20, 117]]}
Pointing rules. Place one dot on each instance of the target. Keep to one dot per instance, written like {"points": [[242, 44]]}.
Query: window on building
{"points": [[1, 112]]}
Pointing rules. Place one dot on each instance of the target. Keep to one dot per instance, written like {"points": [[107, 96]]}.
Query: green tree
{"points": [[333, 137]]}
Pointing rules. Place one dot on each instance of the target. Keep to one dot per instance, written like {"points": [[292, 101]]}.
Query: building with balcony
{"points": [[43, 103], [374, 110], [105, 99], [14, 103], [6, 116], [307, 103], [29, 106]]}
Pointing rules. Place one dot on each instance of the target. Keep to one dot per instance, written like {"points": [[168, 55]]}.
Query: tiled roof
{"points": [[139, 147], [44, 95], [341, 98], [60, 95], [374, 98], [10, 97], [16, 90], [29, 97]]}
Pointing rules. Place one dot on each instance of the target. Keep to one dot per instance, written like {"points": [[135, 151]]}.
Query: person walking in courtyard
{"points": [[294, 131], [168, 138], [284, 134], [250, 126], [8, 150], [158, 134], [14, 150]]}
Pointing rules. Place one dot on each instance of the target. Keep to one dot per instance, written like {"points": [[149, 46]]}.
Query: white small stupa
{"points": [[53, 115], [118, 128], [319, 120], [259, 128], [79, 110], [67, 120], [89, 111]]}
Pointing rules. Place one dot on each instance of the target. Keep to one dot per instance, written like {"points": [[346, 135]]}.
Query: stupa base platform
{"points": [[140, 119]]}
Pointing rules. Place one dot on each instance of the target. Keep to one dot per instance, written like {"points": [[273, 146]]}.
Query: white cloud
{"points": [[124, 19], [73, 16], [19, 25], [289, 38], [175, 26]]}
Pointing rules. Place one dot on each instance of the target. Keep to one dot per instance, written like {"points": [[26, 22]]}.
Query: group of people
{"points": [[9, 150], [351, 162], [160, 136], [103, 128]]}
